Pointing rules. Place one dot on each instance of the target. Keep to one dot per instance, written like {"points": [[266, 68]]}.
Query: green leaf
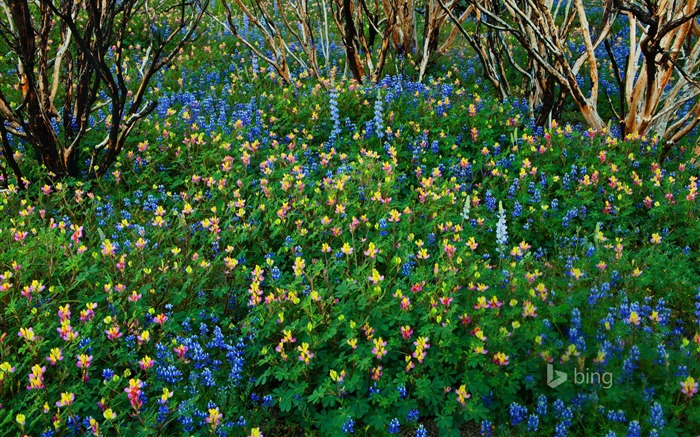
{"points": [[317, 395]]}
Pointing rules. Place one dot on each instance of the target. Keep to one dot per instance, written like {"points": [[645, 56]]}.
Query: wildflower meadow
{"points": [[298, 252]]}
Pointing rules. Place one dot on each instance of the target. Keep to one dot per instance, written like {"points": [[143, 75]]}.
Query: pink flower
{"points": [[181, 350], [133, 392], [67, 399], [146, 363], [214, 418], [462, 394], [689, 387], [36, 378], [84, 361], [64, 312], [379, 348], [27, 334], [77, 234], [377, 373], [305, 354], [113, 333], [421, 344], [87, 314], [446, 301]]}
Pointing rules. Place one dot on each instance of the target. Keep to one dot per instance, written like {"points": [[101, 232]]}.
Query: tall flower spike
{"points": [[335, 114], [467, 208], [501, 229], [378, 119]]}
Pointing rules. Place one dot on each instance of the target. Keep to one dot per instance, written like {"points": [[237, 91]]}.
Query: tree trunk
{"points": [[350, 40]]}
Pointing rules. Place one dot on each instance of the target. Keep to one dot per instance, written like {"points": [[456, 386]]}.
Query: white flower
{"points": [[467, 208], [501, 228]]}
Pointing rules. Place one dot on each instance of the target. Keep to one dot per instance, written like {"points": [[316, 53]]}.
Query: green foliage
{"points": [[323, 282]]}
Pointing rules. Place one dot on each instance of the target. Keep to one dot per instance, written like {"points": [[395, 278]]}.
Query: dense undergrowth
{"points": [[369, 259]]}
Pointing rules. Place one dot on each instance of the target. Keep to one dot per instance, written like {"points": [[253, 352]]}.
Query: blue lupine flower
{"points": [[649, 393], [566, 416], [630, 364], [656, 416], [517, 209], [575, 334], [107, 374], [378, 118], [169, 374], [407, 267], [235, 357], [561, 430], [559, 407], [513, 189], [634, 430], [541, 408], [207, 379], [616, 416], [517, 413], [533, 423], [394, 426], [187, 423], [276, 274], [486, 428], [490, 201], [162, 413], [662, 355], [349, 426], [402, 391]]}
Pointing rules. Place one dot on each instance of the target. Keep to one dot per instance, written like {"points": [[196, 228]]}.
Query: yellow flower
{"points": [[27, 334], [67, 399], [5, 368], [462, 394], [109, 414], [634, 318], [214, 418], [576, 273], [689, 387], [299, 265], [347, 249], [21, 419]]}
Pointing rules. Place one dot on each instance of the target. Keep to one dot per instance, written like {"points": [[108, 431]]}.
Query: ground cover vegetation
{"points": [[336, 218]]}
